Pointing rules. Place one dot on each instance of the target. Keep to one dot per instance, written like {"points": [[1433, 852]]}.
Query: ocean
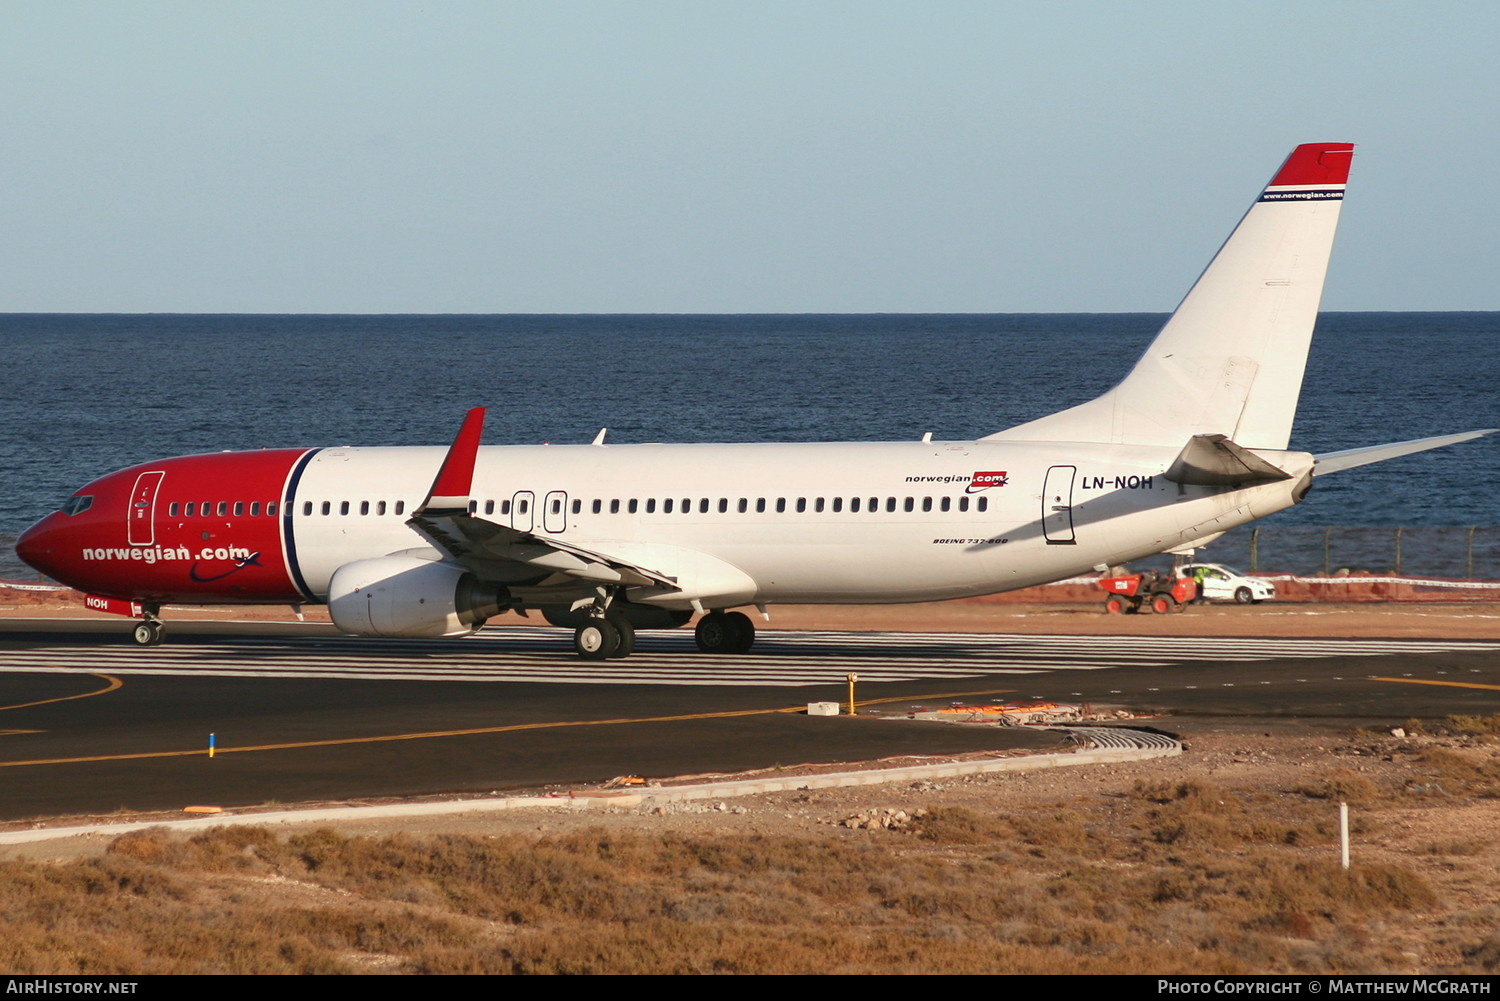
{"points": [[86, 394]]}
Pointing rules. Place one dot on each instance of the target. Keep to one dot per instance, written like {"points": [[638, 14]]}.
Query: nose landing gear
{"points": [[150, 631]]}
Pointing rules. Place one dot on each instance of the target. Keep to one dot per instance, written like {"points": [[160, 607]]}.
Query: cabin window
{"points": [[523, 505], [172, 509], [963, 503], [504, 507], [890, 503], [578, 507], [614, 507], [400, 507], [838, 504], [801, 504], [327, 507], [984, 504], [744, 505], [947, 503], [379, 508], [703, 506], [343, 507], [597, 507], [780, 505], [687, 505], [926, 503], [874, 505], [723, 505], [223, 508], [255, 509], [271, 509], [631, 507], [760, 505], [489, 506], [910, 505], [239, 509], [190, 510], [854, 505]]}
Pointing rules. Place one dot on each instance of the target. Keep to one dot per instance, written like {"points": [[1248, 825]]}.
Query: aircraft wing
{"points": [[480, 544], [498, 552]]}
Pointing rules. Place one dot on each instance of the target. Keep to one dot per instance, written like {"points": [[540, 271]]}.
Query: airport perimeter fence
{"points": [[1463, 552]]}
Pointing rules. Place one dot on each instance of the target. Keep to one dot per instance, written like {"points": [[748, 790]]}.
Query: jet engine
{"points": [[407, 596]]}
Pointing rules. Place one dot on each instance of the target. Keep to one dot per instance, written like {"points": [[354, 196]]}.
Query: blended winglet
{"points": [[455, 479]]}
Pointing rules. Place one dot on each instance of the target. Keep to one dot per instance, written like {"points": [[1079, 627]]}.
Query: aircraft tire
{"points": [[725, 632], [1242, 596], [626, 645], [149, 633], [597, 639], [712, 633], [742, 633]]}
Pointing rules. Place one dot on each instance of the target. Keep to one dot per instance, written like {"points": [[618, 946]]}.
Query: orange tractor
{"points": [[1147, 592]]}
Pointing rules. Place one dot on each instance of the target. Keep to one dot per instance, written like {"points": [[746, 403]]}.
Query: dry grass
{"points": [[1181, 876]]}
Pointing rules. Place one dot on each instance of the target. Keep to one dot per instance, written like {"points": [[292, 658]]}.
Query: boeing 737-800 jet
{"points": [[428, 542]]}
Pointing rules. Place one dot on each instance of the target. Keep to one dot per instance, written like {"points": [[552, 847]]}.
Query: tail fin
{"points": [[1230, 360]]}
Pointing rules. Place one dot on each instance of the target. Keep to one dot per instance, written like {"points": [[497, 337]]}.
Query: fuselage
{"points": [[812, 523]]}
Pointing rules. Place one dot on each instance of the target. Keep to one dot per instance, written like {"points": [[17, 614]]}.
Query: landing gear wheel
{"points": [[725, 632], [1161, 604], [626, 646], [1242, 596], [149, 633], [1115, 605], [596, 639]]}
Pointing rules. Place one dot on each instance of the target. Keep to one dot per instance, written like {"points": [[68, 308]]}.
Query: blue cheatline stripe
{"points": [[288, 507], [1303, 196]]}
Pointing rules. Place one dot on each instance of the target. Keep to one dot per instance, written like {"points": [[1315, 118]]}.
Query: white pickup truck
{"points": [[1221, 583]]}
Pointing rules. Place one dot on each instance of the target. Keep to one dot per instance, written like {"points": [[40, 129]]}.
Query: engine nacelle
{"points": [[406, 596]]}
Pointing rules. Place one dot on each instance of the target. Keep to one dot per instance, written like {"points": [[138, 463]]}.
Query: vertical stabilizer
{"points": [[1230, 360]]}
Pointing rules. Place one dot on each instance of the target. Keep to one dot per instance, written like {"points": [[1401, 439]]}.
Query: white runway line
{"points": [[781, 659]]}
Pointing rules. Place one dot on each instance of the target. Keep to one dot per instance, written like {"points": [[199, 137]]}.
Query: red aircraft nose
{"points": [[38, 546]]}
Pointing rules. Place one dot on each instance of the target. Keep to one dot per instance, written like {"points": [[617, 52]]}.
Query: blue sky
{"points": [[726, 157]]}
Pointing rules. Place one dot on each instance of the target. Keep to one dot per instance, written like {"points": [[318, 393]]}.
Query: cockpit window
{"points": [[77, 505]]}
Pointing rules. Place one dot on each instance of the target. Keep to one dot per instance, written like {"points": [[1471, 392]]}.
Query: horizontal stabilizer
{"points": [[1333, 462], [1212, 460]]}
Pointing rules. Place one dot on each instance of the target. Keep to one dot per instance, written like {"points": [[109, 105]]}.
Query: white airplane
{"points": [[427, 542]]}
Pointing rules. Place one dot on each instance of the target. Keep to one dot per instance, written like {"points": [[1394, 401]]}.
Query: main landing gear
{"points": [[150, 631], [606, 638], [725, 632], [607, 635]]}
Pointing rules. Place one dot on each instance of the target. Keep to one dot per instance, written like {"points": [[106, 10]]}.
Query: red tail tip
{"points": [[1316, 163]]}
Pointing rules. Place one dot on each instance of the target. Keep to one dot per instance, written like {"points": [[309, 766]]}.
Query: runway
{"points": [[779, 659], [91, 723]]}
